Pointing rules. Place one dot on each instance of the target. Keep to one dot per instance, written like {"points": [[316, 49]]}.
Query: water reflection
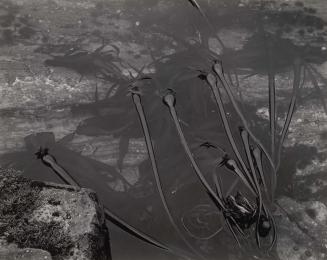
{"points": [[181, 61]]}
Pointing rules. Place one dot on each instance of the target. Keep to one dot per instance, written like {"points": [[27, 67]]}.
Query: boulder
{"points": [[62, 221]]}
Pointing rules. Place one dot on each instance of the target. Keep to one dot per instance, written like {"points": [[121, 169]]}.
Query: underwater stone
{"points": [[10, 253], [65, 221], [302, 232]]}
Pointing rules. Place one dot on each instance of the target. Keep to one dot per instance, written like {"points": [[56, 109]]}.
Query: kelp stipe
{"points": [[139, 108], [230, 221], [217, 185], [274, 228], [272, 98], [232, 166], [170, 100], [248, 178], [51, 162], [220, 194], [218, 69], [245, 139], [257, 156], [211, 79], [134, 232], [196, 5]]}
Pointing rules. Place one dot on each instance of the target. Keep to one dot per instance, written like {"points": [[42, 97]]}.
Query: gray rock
{"points": [[302, 232], [65, 221], [10, 253]]}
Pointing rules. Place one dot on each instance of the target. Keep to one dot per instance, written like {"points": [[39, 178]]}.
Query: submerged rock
{"points": [[65, 221], [302, 232], [9, 252]]}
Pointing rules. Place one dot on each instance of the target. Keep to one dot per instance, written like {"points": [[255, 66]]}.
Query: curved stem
{"points": [[188, 152], [230, 227], [258, 161], [197, 6], [272, 111], [218, 70], [137, 101], [271, 217], [217, 185], [170, 101], [213, 84], [271, 95], [232, 165], [245, 139], [227, 219], [133, 231], [50, 161]]}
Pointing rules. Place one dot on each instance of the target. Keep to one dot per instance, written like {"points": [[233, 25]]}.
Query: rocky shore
{"points": [[50, 221]]}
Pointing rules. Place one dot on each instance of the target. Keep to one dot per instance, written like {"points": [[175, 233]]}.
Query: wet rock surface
{"points": [[301, 229], [65, 222], [12, 252]]}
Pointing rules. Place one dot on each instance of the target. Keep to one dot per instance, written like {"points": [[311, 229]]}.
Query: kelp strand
{"points": [[219, 71], [138, 105], [170, 100], [213, 84], [51, 162]]}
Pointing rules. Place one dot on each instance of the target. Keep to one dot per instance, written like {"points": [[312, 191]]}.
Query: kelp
{"points": [[272, 103], [196, 5], [218, 69], [248, 177], [138, 105], [179, 72], [257, 156], [50, 161], [251, 181], [170, 101]]}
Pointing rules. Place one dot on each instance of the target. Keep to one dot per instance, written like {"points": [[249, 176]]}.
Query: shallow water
{"points": [[67, 85]]}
